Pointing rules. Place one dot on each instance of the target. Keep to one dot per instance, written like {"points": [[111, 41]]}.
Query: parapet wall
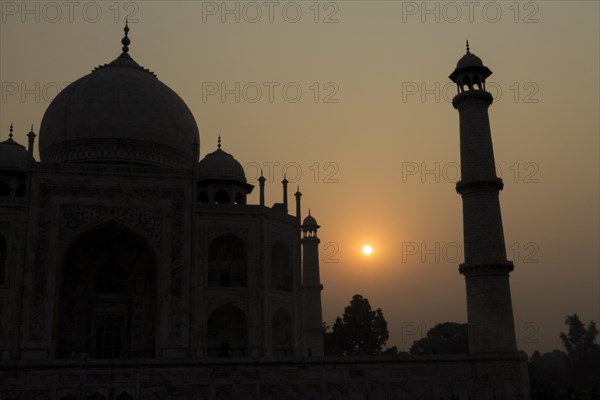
{"points": [[493, 377]]}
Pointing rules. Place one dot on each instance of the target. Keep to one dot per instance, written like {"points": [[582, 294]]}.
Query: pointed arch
{"points": [[203, 197], [108, 294], [124, 396], [227, 332], [281, 268], [240, 198], [282, 333], [222, 197], [227, 262]]}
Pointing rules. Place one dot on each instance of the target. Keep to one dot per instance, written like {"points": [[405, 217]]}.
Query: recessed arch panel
{"points": [[227, 332], [227, 262], [107, 297], [282, 333], [281, 267]]}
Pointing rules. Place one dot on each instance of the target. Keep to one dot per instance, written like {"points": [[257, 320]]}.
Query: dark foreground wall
{"points": [[493, 377]]}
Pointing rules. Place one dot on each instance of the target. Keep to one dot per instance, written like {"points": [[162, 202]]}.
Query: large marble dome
{"points": [[119, 113]]}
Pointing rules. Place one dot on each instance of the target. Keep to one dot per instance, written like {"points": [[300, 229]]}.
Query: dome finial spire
{"points": [[219, 142], [125, 41], [468, 50], [10, 131]]}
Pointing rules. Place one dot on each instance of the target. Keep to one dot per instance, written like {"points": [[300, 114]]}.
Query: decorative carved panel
{"points": [[73, 218]]}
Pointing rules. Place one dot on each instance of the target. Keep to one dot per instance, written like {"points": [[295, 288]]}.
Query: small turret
{"points": [[13, 156], [311, 289], [310, 226]]}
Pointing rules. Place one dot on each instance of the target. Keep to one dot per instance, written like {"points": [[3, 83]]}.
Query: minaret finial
{"points": [[125, 41], [219, 142], [468, 50], [31, 128], [10, 131]]}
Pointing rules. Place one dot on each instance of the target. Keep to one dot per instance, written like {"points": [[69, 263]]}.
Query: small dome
{"points": [[310, 222], [471, 66], [13, 156], [220, 165], [469, 60]]}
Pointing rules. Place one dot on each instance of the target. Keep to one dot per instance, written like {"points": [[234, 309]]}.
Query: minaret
{"points": [[298, 195], [284, 182], [261, 182], [486, 269], [31, 140], [311, 289]]}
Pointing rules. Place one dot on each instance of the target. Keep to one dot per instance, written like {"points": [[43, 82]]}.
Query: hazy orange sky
{"points": [[352, 99]]}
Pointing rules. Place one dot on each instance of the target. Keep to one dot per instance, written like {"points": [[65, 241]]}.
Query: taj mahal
{"points": [[130, 269]]}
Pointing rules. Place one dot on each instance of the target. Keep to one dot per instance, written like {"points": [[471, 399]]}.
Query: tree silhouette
{"points": [[575, 372], [582, 352], [547, 374], [444, 338], [360, 331]]}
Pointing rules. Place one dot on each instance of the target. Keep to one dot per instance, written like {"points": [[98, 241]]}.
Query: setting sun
{"points": [[367, 250]]}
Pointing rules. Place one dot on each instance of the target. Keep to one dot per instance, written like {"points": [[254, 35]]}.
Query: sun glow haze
{"points": [[376, 160], [367, 250]]}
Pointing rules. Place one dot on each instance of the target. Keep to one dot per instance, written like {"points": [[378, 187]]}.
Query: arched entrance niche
{"points": [[227, 332], [282, 333], [107, 305]]}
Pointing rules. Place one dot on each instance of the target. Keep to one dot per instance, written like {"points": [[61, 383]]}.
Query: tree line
{"points": [[572, 373]]}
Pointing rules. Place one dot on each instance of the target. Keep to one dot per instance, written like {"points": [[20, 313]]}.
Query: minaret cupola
{"points": [[470, 73]]}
